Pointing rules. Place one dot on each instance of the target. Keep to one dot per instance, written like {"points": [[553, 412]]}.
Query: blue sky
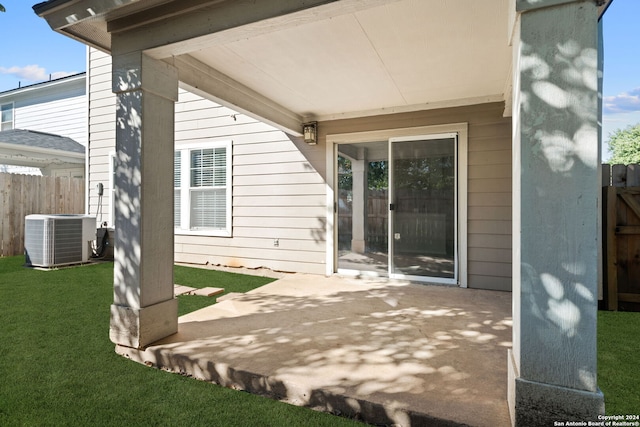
{"points": [[30, 51], [621, 91]]}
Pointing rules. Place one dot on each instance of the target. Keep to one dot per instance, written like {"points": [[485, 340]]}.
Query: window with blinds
{"points": [[202, 196], [208, 188], [6, 110]]}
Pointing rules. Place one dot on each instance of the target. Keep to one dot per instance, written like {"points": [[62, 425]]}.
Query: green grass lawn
{"points": [[199, 278], [58, 367], [619, 361]]}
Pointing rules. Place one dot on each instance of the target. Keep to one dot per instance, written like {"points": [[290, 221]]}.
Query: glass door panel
{"points": [[362, 208], [423, 207]]}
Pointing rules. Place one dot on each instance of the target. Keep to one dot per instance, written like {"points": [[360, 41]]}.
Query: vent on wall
{"points": [[53, 240]]}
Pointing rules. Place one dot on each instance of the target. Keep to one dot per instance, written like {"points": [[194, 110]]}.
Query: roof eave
{"points": [[73, 18]]}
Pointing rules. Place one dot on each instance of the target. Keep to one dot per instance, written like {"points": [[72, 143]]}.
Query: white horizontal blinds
{"points": [[177, 182], [7, 116], [208, 188]]}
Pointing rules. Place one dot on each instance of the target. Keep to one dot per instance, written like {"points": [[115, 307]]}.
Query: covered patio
{"points": [[365, 72], [387, 353]]}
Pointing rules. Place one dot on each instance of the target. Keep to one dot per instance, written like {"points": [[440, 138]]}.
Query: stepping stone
{"points": [[182, 290], [208, 292]]}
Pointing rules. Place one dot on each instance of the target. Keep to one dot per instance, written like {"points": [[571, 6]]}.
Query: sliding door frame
{"points": [[393, 213], [461, 129]]}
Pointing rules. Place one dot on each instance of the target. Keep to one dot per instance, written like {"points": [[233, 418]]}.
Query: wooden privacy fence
{"points": [[621, 236], [423, 220], [22, 195]]}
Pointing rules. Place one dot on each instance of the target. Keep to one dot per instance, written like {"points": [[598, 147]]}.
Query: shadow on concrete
{"points": [[382, 352]]}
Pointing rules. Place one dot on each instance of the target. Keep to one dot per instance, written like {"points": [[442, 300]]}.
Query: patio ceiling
{"points": [[293, 61], [400, 56]]}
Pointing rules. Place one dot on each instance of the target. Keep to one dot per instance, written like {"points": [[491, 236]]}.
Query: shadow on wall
{"points": [[559, 119], [128, 180], [141, 150]]}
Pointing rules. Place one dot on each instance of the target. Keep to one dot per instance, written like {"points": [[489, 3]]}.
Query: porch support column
{"points": [[359, 203], [552, 367], [144, 308]]}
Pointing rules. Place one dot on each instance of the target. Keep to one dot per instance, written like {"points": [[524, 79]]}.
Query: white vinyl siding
{"points": [[58, 107], [102, 133], [279, 197], [277, 193], [65, 117], [7, 116], [202, 198]]}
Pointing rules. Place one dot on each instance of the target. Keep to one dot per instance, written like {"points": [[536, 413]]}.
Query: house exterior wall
{"points": [[279, 202], [488, 181], [102, 134], [279, 191], [58, 108], [278, 198]]}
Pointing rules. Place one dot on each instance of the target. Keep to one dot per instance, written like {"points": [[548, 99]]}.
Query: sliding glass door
{"points": [[422, 200], [362, 208], [396, 208]]}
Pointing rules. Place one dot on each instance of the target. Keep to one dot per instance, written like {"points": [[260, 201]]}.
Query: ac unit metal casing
{"points": [[54, 240]]}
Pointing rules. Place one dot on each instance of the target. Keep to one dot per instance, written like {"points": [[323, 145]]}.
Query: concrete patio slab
{"points": [[230, 295], [384, 352]]}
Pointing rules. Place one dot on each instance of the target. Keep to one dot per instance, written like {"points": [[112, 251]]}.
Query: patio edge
{"points": [[320, 400]]}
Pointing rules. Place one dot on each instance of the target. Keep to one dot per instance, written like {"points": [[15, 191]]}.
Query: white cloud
{"points": [[33, 73], [623, 102]]}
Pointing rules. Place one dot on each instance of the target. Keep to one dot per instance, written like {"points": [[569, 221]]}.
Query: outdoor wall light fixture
{"points": [[310, 131]]}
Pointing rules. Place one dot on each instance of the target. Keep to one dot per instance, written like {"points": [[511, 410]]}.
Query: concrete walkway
{"points": [[384, 352]]}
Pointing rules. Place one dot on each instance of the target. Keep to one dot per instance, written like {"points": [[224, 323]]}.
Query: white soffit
{"points": [[399, 56]]}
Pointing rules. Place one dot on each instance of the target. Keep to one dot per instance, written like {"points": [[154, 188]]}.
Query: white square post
{"points": [[144, 308], [552, 368]]}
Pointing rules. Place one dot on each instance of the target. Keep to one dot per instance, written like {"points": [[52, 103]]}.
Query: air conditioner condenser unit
{"points": [[54, 240]]}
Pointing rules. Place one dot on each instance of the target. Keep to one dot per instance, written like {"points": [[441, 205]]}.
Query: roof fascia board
{"points": [[18, 159], [212, 84], [46, 155], [44, 85], [229, 21], [63, 14], [47, 151], [163, 11], [15, 159], [602, 8], [216, 23], [525, 5]]}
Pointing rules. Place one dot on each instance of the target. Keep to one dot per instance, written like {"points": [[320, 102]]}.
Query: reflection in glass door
{"points": [[422, 207], [362, 208], [396, 208]]}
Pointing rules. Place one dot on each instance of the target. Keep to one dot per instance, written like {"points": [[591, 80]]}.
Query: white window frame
{"points": [[185, 189], [13, 112]]}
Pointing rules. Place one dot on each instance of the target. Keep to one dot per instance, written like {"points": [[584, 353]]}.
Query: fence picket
{"points": [[619, 176], [606, 175], [22, 195], [633, 175], [621, 236]]}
